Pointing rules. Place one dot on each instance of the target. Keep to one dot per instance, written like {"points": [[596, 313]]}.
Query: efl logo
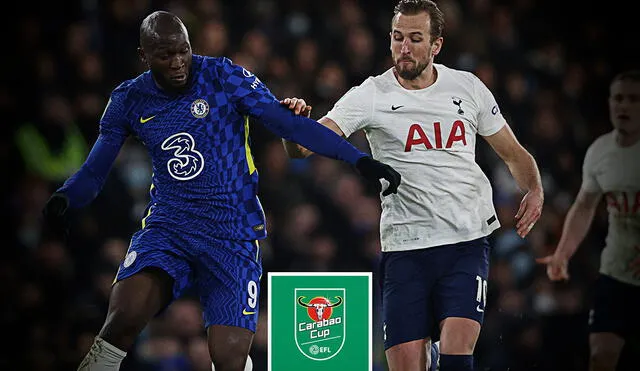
{"points": [[320, 322]]}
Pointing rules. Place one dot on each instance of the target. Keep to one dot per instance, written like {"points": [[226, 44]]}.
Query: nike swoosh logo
{"points": [[393, 108], [479, 309], [143, 120], [246, 313]]}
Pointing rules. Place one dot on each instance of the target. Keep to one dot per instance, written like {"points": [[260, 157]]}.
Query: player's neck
{"points": [[627, 139], [426, 79]]}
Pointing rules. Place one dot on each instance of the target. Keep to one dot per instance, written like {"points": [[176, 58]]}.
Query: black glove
{"points": [[55, 217], [372, 170]]}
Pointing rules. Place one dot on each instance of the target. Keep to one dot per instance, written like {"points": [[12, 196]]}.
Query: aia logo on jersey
{"points": [[199, 108], [418, 137], [623, 203]]}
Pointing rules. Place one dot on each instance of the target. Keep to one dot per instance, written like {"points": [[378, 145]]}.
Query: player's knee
{"points": [[604, 349], [459, 336], [603, 359]]}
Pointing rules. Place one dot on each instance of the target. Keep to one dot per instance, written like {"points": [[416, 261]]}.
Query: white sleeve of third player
{"points": [[352, 112], [589, 181], [490, 119]]}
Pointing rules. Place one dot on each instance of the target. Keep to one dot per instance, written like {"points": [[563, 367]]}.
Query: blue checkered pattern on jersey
{"points": [[204, 181]]}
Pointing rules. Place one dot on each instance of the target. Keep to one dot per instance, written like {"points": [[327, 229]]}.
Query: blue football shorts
{"points": [[615, 307], [420, 288], [225, 274]]}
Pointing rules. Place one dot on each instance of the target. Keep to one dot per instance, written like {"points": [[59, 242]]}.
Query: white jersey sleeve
{"points": [[354, 110], [589, 180], [490, 119]]}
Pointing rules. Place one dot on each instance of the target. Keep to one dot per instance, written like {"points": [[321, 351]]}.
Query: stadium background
{"points": [[548, 67]]}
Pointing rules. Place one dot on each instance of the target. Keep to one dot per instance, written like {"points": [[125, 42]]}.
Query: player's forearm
{"points": [[83, 186], [525, 171], [309, 134], [295, 150], [574, 230]]}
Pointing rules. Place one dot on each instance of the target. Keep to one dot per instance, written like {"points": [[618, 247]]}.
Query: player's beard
{"points": [[412, 72]]}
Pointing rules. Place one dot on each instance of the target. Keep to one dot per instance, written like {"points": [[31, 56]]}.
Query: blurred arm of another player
{"points": [[575, 228], [83, 186], [525, 171]]}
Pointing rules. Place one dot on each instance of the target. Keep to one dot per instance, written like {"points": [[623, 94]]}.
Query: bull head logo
{"points": [[319, 308]]}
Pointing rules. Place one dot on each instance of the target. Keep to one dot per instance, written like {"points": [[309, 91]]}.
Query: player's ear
{"points": [[437, 46], [142, 56]]}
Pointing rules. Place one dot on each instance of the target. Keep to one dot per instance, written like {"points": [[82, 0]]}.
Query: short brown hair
{"points": [[633, 75], [412, 7]]}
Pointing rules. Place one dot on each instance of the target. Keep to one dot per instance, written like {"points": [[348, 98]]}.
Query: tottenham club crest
{"points": [[199, 108], [320, 322], [458, 102]]}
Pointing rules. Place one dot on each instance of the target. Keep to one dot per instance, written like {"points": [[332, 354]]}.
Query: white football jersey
{"points": [[429, 137], [615, 172]]}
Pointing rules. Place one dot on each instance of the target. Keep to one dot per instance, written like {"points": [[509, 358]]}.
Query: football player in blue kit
{"points": [[204, 220]]}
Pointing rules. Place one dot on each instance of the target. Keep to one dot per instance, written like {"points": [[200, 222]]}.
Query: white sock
{"points": [[102, 357]]}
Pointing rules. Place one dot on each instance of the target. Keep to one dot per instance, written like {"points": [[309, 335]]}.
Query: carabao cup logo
{"points": [[320, 322]]}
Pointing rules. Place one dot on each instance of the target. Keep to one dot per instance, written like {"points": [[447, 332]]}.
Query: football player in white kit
{"points": [[611, 169], [422, 118]]}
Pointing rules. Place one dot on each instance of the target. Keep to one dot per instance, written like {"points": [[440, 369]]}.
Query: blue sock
{"points": [[435, 356], [450, 362]]}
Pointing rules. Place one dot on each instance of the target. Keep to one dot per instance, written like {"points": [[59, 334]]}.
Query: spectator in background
{"points": [[56, 147]]}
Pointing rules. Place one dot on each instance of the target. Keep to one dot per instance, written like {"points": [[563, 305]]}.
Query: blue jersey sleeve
{"points": [[309, 134], [245, 90], [83, 186], [251, 97]]}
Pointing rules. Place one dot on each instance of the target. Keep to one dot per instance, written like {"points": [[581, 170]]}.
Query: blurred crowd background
{"points": [[548, 65]]}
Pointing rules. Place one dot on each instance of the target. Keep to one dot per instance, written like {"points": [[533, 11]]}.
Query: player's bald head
{"points": [[159, 27], [165, 49]]}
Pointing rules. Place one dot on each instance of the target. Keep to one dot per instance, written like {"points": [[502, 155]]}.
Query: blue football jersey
{"points": [[204, 178]]}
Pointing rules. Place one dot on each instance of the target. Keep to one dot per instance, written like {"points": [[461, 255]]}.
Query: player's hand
{"points": [[529, 212], [55, 216], [557, 267], [297, 106], [374, 170], [634, 266]]}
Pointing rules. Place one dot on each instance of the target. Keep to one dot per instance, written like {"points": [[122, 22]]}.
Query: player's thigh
{"points": [[605, 348], [227, 276], [406, 281], [462, 290], [615, 307], [153, 272]]}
